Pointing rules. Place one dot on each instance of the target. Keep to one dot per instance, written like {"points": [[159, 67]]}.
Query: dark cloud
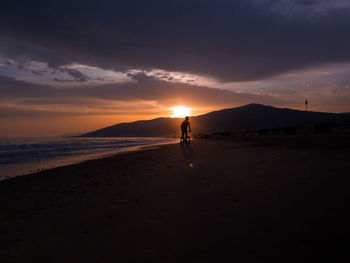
{"points": [[230, 40], [62, 80], [144, 89], [11, 88], [36, 73], [76, 74]]}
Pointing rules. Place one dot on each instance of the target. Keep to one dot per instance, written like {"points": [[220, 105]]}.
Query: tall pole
{"points": [[306, 105]]}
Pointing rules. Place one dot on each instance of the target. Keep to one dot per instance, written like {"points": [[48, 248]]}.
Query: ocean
{"points": [[19, 156]]}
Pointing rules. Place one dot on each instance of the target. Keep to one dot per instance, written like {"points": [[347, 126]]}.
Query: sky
{"points": [[69, 67]]}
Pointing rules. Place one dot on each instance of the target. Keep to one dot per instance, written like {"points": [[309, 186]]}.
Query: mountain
{"points": [[248, 117]]}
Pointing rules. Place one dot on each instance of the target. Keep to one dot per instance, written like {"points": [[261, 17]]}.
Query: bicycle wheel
{"points": [[182, 142], [188, 142]]}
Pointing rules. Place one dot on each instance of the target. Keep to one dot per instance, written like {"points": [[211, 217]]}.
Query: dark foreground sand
{"points": [[217, 201]]}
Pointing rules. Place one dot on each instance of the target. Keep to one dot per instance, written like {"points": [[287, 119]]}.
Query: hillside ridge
{"points": [[247, 117]]}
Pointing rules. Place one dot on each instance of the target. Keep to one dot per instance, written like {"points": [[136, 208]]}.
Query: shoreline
{"points": [[48, 163], [215, 201], [106, 158]]}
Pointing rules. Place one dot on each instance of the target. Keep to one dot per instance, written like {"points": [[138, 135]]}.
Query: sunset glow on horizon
{"points": [[180, 111]]}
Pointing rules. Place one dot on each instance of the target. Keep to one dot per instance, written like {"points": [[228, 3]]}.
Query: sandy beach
{"points": [[217, 201]]}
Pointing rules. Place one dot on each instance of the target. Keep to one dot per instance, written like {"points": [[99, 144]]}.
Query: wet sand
{"points": [[218, 201]]}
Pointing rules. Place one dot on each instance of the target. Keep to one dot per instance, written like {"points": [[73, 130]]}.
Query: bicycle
{"points": [[186, 142]]}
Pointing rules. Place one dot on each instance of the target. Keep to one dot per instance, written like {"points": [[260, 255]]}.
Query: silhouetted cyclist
{"points": [[184, 126]]}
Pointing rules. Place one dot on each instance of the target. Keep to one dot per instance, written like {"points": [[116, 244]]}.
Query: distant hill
{"points": [[248, 117]]}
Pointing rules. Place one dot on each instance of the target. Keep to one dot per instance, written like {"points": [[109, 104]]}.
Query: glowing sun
{"points": [[180, 111]]}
